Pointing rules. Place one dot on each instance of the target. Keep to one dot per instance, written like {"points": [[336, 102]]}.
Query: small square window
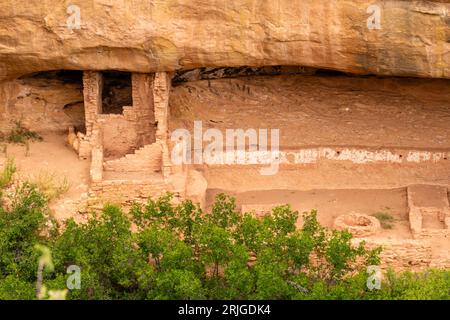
{"points": [[116, 92]]}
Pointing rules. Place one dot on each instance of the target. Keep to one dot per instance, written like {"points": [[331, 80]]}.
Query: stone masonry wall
{"points": [[126, 192], [92, 90], [92, 84], [124, 133], [120, 136], [161, 92], [147, 159], [139, 136], [135, 127], [406, 254], [143, 107], [435, 205]]}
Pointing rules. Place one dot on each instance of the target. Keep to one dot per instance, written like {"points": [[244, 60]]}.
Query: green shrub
{"points": [[13, 288], [180, 252], [432, 284], [21, 135], [21, 228], [7, 173], [385, 219]]}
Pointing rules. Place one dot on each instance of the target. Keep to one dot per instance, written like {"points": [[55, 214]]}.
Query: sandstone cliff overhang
{"points": [[410, 38]]}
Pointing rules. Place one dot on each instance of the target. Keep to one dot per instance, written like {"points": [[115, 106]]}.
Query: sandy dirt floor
{"points": [[52, 156]]}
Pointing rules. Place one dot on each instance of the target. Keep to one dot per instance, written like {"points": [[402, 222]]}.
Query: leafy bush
{"points": [[21, 135], [13, 288], [7, 173], [385, 219], [20, 231], [428, 285], [180, 252]]}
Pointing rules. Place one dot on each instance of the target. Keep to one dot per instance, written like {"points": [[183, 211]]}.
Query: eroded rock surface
{"points": [[406, 37]]}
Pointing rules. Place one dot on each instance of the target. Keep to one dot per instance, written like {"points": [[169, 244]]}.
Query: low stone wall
{"points": [[405, 254], [433, 233], [120, 136], [360, 225], [96, 171], [428, 201], [311, 156], [258, 210], [146, 159], [125, 192]]}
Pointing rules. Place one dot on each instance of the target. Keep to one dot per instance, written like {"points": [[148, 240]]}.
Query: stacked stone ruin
{"points": [[141, 166]]}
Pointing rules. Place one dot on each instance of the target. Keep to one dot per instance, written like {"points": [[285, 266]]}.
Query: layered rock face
{"points": [[52, 102], [391, 37]]}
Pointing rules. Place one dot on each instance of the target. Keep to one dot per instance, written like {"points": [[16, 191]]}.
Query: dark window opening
{"points": [[234, 72], [117, 92], [183, 76], [74, 77]]}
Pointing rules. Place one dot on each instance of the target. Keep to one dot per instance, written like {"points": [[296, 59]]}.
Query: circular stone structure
{"points": [[360, 225]]}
